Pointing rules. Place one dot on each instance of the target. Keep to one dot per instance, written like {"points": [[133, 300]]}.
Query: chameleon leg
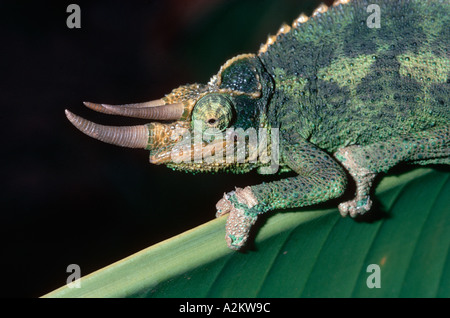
{"points": [[319, 179], [364, 162]]}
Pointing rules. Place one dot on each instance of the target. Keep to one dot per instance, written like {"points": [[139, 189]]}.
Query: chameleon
{"points": [[346, 93]]}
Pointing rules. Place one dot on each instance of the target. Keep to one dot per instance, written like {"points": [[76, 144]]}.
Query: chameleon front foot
{"points": [[240, 205]]}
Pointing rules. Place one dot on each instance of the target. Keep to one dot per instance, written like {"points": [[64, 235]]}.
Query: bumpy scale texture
{"points": [[347, 97], [373, 97]]}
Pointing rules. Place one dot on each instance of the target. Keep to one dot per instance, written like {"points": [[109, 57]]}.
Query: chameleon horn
{"points": [[132, 136], [156, 109]]}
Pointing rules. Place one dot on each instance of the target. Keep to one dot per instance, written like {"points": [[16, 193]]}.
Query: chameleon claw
{"points": [[235, 243], [357, 206], [238, 228], [224, 206]]}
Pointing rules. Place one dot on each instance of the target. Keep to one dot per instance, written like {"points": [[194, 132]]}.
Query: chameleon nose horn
{"points": [[156, 109], [128, 136]]}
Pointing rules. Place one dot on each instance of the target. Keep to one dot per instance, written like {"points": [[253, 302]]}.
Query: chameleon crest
{"points": [[334, 94]]}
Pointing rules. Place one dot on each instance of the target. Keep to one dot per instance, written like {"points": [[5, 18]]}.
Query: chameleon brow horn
{"points": [[157, 109]]}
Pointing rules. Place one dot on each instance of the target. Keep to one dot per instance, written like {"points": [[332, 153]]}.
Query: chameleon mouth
{"points": [[228, 147], [191, 154]]}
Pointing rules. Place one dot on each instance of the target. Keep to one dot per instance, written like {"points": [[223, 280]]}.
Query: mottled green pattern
{"points": [[353, 81], [373, 97], [320, 178]]}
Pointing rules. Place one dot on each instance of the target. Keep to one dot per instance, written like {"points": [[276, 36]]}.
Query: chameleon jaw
{"points": [[162, 140]]}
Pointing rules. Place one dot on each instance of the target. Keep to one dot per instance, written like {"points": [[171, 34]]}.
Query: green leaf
{"points": [[301, 254]]}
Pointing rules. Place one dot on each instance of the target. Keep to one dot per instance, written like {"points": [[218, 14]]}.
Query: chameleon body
{"points": [[347, 97]]}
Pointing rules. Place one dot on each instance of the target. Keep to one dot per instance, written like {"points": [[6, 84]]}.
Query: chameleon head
{"points": [[198, 120]]}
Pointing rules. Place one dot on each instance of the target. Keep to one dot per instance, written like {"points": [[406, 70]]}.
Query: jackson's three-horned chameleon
{"points": [[342, 94]]}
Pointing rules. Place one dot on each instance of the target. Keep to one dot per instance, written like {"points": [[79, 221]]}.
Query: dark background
{"points": [[67, 198]]}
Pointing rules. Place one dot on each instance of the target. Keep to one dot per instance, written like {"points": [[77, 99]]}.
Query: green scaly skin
{"points": [[339, 83], [345, 97]]}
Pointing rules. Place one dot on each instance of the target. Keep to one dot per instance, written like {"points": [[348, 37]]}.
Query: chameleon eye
{"points": [[214, 110]]}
